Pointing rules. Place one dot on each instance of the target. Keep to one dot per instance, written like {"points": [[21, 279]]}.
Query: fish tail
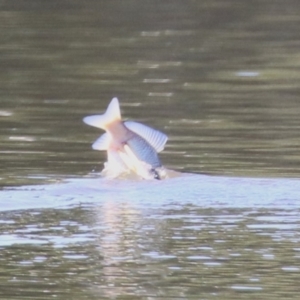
{"points": [[111, 115]]}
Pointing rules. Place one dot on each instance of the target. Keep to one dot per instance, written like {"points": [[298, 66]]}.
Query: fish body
{"points": [[144, 151], [130, 146]]}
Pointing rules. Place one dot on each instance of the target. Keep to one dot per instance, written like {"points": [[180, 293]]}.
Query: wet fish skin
{"points": [[144, 151], [134, 147]]}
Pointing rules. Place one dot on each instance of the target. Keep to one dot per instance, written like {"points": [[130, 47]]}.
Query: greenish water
{"points": [[221, 79]]}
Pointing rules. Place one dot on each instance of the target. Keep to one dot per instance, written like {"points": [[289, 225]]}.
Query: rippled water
{"points": [[221, 79], [190, 237]]}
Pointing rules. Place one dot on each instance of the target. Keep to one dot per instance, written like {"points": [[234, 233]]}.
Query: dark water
{"points": [[221, 79]]}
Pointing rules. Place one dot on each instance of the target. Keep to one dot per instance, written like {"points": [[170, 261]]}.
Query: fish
{"points": [[131, 147]]}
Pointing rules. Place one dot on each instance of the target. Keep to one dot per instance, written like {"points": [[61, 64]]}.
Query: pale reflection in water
{"points": [[221, 79], [154, 239]]}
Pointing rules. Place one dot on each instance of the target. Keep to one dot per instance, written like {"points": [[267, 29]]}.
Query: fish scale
{"points": [[144, 151], [130, 146]]}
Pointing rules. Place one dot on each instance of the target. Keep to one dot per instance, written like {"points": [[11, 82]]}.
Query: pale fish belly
{"points": [[124, 164], [137, 158], [114, 166]]}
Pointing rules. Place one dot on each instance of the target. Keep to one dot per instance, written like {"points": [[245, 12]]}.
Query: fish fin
{"points": [[111, 114], [139, 167], [154, 137], [102, 143]]}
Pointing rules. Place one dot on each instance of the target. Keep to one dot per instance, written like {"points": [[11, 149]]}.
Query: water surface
{"points": [[221, 79]]}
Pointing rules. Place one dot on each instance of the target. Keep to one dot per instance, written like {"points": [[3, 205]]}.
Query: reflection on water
{"points": [[190, 236], [122, 239], [221, 79]]}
